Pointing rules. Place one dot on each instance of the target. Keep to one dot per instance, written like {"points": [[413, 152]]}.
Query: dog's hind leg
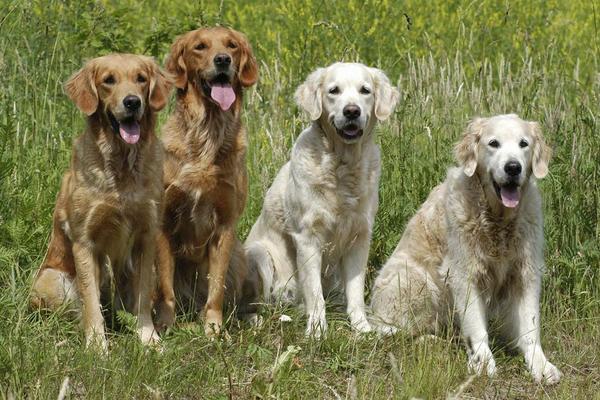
{"points": [[244, 280], [272, 258], [54, 283], [261, 263], [52, 289], [406, 297]]}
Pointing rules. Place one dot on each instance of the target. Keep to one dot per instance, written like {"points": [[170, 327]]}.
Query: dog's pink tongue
{"points": [[130, 131], [223, 94], [510, 196]]}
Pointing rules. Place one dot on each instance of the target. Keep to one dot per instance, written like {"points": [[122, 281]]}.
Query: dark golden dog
{"points": [[205, 177], [109, 207]]}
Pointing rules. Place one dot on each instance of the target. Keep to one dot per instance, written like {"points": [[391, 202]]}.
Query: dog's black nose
{"points": [[132, 103], [351, 111], [222, 60], [512, 168]]}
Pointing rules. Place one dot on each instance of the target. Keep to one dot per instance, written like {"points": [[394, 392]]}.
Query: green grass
{"points": [[451, 60]]}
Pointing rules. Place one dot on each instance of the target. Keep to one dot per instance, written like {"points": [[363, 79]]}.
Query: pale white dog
{"points": [[316, 222], [474, 249]]}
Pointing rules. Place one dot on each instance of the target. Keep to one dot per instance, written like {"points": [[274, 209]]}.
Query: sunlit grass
{"points": [[451, 61]]}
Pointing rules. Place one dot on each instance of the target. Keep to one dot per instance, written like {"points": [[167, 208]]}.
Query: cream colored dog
{"points": [[475, 248], [318, 215]]}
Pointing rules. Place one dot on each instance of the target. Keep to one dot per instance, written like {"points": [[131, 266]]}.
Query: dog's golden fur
{"points": [[471, 253], [206, 178], [109, 206]]}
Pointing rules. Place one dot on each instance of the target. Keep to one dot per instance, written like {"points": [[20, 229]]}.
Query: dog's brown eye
{"points": [[141, 79], [365, 90], [523, 143], [232, 45], [334, 90], [200, 46], [494, 143], [109, 80]]}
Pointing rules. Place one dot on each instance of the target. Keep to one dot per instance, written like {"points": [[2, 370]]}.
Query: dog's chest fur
{"points": [[205, 187], [498, 242], [114, 201], [348, 192], [498, 246], [342, 200]]}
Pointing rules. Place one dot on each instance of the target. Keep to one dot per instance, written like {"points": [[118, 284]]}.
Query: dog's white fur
{"points": [[466, 254], [316, 222]]}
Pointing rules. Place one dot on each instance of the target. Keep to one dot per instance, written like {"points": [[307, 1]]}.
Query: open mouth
{"points": [[509, 193], [128, 128], [219, 89], [350, 131]]}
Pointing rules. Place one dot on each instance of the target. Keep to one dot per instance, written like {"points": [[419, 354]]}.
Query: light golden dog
{"points": [[109, 207], [205, 177], [475, 248], [313, 235]]}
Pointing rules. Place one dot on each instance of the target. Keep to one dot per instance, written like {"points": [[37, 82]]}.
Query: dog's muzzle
{"points": [[351, 129], [127, 127]]}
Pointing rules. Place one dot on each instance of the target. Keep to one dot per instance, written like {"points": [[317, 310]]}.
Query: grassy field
{"points": [[451, 61]]}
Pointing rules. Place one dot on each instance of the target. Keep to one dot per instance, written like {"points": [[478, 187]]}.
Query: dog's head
{"points": [[346, 96], [504, 151], [124, 88], [217, 61]]}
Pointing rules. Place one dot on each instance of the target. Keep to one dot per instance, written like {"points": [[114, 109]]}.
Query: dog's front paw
{"points": [[317, 326], [148, 336], [358, 320], [482, 360], [212, 329], [97, 342], [362, 326], [546, 373], [213, 322]]}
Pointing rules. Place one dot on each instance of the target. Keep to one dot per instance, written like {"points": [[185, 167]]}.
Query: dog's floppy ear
{"points": [[541, 152], [248, 73], [81, 89], [161, 83], [386, 96], [175, 63], [466, 150], [308, 95]]}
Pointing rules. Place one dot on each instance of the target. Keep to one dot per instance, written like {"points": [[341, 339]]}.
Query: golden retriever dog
{"points": [[474, 250], [205, 177], [315, 227], [109, 207]]}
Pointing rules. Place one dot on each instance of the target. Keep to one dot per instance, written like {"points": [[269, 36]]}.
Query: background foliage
{"points": [[451, 60]]}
